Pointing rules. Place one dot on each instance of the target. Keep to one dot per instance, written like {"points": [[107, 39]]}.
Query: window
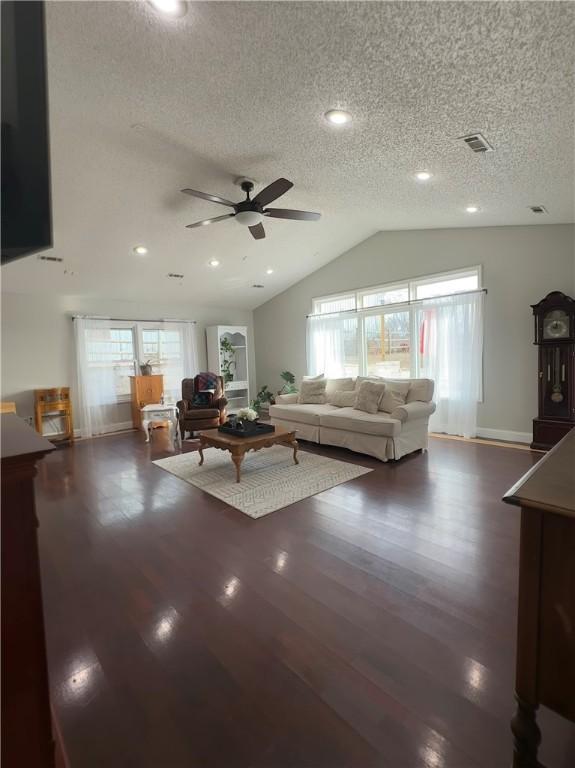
{"points": [[428, 327], [164, 348], [110, 353]]}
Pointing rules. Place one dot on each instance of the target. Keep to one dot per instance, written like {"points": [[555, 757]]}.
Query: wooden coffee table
{"points": [[239, 446]]}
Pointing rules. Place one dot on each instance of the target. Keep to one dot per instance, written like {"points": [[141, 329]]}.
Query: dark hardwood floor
{"points": [[371, 625]]}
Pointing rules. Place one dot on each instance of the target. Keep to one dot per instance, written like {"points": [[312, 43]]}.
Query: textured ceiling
{"points": [[142, 106]]}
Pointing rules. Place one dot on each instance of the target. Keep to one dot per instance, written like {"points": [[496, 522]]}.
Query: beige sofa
{"points": [[383, 435]]}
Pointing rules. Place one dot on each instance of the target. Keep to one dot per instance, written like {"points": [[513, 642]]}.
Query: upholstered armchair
{"points": [[203, 405]]}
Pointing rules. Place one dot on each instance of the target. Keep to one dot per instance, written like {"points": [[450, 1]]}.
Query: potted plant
{"points": [[227, 357], [289, 386], [146, 368], [263, 400]]}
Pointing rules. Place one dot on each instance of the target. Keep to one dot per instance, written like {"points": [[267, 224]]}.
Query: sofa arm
{"points": [[412, 411], [220, 403], [290, 399]]}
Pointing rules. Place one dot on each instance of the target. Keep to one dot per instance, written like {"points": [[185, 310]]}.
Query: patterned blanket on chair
{"points": [[206, 381]]}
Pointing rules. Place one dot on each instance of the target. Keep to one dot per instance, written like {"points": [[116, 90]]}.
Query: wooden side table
{"points": [[157, 413], [54, 402]]}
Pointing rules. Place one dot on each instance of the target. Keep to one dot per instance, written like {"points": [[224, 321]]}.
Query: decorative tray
{"points": [[257, 429]]}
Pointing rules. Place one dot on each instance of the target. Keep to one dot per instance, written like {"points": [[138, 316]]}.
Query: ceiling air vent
{"points": [[175, 275], [477, 143], [257, 285], [538, 209], [50, 258]]}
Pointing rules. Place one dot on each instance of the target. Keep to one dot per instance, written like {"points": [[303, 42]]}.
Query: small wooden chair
{"points": [[54, 402]]}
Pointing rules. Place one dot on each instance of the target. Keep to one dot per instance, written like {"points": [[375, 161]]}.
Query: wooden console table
{"points": [[545, 670]]}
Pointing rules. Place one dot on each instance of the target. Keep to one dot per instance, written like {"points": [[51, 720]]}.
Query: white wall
{"points": [[38, 342], [520, 266]]}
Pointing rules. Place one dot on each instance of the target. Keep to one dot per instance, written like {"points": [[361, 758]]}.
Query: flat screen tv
{"points": [[26, 203]]}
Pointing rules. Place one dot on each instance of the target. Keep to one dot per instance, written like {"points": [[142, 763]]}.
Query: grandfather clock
{"points": [[555, 336]]}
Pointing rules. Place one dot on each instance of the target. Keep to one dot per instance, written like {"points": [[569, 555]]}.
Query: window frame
{"points": [[412, 284]]}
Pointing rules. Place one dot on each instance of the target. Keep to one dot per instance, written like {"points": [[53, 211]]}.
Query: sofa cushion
{"points": [[312, 391], [304, 413], [359, 379], [201, 413], [368, 395], [352, 420], [420, 390], [395, 395], [343, 399]]}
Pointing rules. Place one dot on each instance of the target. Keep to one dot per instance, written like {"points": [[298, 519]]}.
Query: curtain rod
{"points": [[130, 319], [397, 303]]}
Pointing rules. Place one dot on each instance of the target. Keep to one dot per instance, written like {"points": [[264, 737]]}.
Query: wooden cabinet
{"points": [[145, 390], [27, 738], [545, 671]]}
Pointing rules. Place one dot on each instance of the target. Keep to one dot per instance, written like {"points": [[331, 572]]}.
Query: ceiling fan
{"points": [[250, 212]]}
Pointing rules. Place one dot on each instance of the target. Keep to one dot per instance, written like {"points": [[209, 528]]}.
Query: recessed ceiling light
{"points": [[214, 263], [141, 250], [423, 176], [337, 117], [174, 8], [472, 209], [269, 271]]}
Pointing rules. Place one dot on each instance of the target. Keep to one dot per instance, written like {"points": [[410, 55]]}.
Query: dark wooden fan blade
{"points": [[210, 221], [211, 198], [286, 213], [276, 189], [258, 231]]}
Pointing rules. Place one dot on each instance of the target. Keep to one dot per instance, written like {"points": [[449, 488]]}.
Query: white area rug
{"points": [[270, 479]]}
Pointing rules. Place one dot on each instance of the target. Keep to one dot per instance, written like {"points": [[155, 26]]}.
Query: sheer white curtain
{"points": [[325, 345], [97, 396], [177, 356], [450, 352]]}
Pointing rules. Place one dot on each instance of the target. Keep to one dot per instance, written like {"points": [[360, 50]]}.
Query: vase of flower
{"points": [[247, 420]]}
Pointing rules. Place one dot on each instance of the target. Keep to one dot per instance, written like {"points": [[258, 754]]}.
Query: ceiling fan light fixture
{"points": [[337, 116], [249, 218], [173, 8]]}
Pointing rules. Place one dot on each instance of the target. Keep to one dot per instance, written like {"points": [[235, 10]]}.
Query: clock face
{"points": [[556, 325]]}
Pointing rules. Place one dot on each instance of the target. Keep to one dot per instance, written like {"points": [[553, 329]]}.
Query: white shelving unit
{"points": [[237, 389]]}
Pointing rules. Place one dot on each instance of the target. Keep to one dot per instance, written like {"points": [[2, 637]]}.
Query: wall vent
{"points": [[538, 209], [477, 142], [50, 258], [175, 275]]}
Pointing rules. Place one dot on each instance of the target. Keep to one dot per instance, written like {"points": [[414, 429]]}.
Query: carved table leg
{"points": [[526, 735], [201, 452], [146, 429], [237, 458], [295, 446]]}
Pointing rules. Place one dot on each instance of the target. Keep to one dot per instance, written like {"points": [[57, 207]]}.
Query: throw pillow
{"points": [[204, 397], [343, 398], [312, 391], [395, 395], [368, 395], [376, 379], [314, 378], [338, 385]]}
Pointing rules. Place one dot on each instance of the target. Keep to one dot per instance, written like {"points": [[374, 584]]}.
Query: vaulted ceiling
{"points": [[142, 106]]}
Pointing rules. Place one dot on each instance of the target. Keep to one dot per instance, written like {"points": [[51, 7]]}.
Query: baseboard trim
{"points": [[504, 435], [111, 429]]}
